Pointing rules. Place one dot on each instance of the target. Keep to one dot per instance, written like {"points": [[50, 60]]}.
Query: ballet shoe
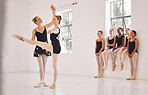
{"points": [[99, 76], [45, 85], [17, 37], [113, 67], [121, 66], [133, 78], [128, 78], [105, 66], [38, 85], [52, 86]]}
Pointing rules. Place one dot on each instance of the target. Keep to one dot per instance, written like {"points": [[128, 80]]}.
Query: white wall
{"points": [[140, 23], [15, 54]]}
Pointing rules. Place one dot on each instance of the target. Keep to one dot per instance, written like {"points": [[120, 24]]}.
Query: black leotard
{"points": [[119, 40], [110, 42], [99, 46], [126, 41], [132, 46], [55, 42], [43, 38]]}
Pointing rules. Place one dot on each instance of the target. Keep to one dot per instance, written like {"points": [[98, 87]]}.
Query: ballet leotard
{"points": [[110, 42], [119, 40], [99, 46], [126, 42], [55, 42], [132, 46], [43, 38]]}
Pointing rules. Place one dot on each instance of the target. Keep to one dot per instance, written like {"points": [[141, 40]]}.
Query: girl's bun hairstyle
{"points": [[59, 18], [34, 19]]}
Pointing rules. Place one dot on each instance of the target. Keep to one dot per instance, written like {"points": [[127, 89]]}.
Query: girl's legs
{"points": [[41, 70], [101, 64], [44, 57], [113, 54], [55, 58], [131, 65], [134, 62], [44, 45], [123, 55], [109, 52], [98, 63], [104, 57], [119, 58]]}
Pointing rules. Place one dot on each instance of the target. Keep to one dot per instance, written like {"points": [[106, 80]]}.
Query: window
{"points": [[120, 14], [66, 31]]}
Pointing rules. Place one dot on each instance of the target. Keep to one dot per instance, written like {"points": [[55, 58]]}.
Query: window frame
{"points": [[69, 49], [123, 17]]}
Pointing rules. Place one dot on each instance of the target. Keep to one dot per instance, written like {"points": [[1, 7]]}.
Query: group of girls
{"points": [[117, 46]]}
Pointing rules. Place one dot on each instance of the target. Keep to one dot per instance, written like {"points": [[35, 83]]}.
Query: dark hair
{"points": [[134, 32], [59, 18], [112, 29], [128, 28], [120, 28], [34, 19], [100, 31]]}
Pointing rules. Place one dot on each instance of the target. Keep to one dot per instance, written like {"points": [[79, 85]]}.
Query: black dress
{"points": [[119, 40], [126, 41], [132, 47], [43, 38], [110, 42], [55, 42], [99, 46]]}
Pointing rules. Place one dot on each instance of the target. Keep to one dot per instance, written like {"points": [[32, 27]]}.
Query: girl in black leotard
{"points": [[110, 44], [120, 43], [40, 32], [98, 51], [133, 54], [56, 45], [123, 51], [55, 42]]}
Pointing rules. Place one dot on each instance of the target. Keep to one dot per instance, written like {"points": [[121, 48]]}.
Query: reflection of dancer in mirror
{"points": [[110, 44], [132, 54], [123, 51], [54, 47], [98, 51]]}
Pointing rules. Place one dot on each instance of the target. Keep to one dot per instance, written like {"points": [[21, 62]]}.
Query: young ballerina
{"points": [[98, 51], [132, 54], [54, 47], [40, 32], [110, 44], [123, 51], [120, 43]]}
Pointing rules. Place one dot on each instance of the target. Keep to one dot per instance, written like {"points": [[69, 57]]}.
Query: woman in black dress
{"points": [[99, 48], [110, 44], [133, 54], [116, 49]]}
